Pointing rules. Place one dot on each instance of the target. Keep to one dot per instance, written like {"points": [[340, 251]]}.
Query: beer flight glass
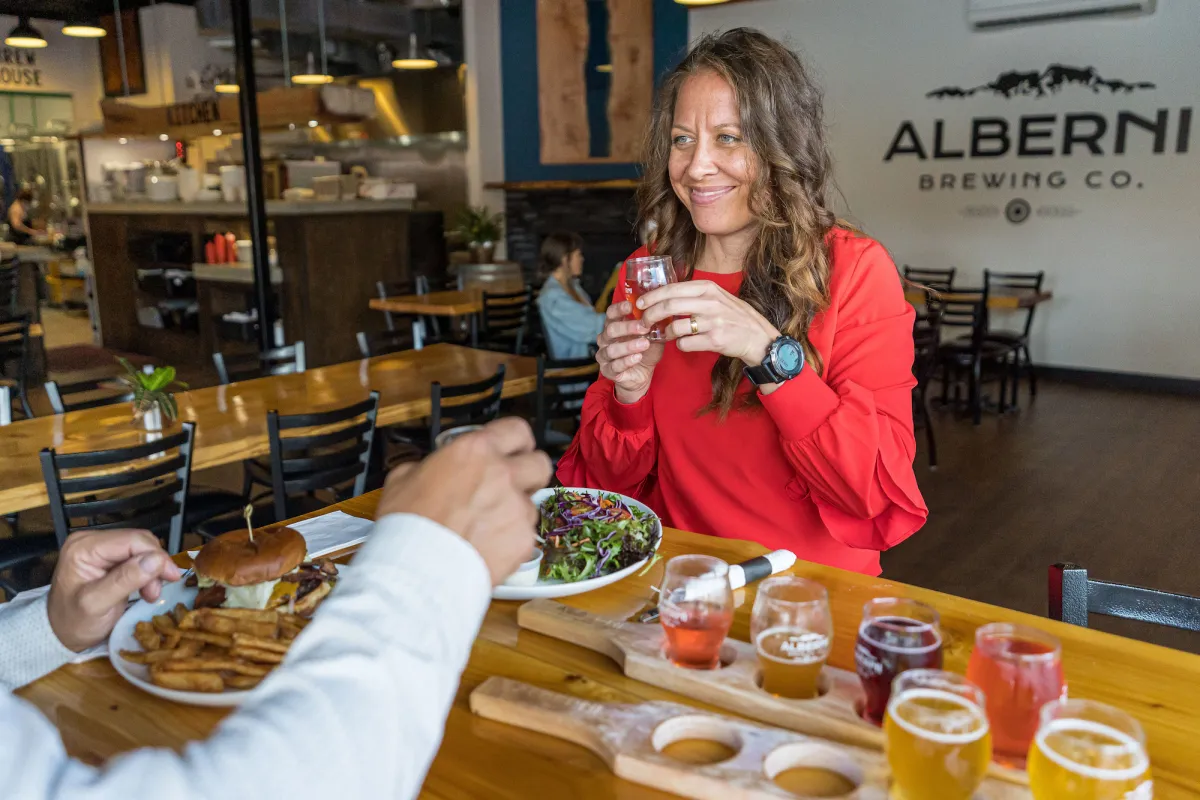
{"points": [[695, 606], [642, 275], [1084, 750], [792, 631], [936, 735], [895, 635], [1019, 670]]}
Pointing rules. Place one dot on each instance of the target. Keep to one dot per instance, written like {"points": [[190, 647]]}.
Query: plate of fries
{"points": [[203, 657]]}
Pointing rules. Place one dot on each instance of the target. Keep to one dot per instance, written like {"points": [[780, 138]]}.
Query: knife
{"points": [[746, 572]]}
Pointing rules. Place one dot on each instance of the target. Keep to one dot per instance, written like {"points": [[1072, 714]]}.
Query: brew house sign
{"points": [[961, 156], [18, 68]]}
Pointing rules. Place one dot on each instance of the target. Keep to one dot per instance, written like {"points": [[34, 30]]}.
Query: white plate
{"points": [[122, 639], [548, 589]]}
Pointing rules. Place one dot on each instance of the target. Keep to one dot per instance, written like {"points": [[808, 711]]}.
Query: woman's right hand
{"points": [[626, 357]]}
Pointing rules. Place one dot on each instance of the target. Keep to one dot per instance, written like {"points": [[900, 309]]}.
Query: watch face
{"points": [[788, 357]]}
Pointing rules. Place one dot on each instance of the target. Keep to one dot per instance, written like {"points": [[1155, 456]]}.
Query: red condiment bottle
{"points": [[210, 252], [221, 257], [231, 248]]}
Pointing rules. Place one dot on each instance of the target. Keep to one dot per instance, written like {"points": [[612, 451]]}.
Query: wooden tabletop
{"points": [[232, 420], [450, 303], [996, 300], [100, 715]]}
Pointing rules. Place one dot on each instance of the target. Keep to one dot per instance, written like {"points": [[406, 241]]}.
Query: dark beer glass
{"points": [[895, 635]]}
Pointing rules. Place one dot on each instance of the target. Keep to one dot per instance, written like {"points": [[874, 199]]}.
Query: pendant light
{"points": [[25, 36], [414, 58], [310, 77], [84, 25]]}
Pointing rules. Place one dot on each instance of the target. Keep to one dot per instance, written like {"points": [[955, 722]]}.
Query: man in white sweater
{"points": [[358, 707]]}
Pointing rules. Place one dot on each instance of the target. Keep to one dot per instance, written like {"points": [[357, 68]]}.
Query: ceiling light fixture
{"points": [[415, 58], [84, 25], [310, 77], [25, 36], [226, 88]]}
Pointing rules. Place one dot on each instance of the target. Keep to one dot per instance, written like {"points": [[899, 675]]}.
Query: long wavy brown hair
{"points": [[786, 272]]}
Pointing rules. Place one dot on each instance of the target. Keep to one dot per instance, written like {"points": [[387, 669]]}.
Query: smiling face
{"points": [[710, 165]]}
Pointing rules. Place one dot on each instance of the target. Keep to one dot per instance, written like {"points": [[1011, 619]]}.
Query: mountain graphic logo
{"points": [[1049, 81]]}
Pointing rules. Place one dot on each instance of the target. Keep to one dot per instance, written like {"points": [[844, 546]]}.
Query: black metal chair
{"points": [[381, 344], [927, 331], [936, 280], [337, 461], [87, 393], [425, 327], [1073, 595], [19, 552], [478, 411], [561, 386], [971, 357], [276, 361], [14, 357], [1006, 282], [143, 486], [505, 320]]}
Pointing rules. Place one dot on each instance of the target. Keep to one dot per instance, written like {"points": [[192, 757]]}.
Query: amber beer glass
{"points": [[696, 610], [642, 275], [792, 630], [895, 635], [1020, 670], [937, 737], [1084, 750]]}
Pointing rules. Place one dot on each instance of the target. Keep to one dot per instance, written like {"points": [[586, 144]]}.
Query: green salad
{"points": [[586, 535]]}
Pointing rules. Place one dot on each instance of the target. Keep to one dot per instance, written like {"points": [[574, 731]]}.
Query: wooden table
{"points": [[996, 300], [100, 715], [232, 420], [449, 303]]}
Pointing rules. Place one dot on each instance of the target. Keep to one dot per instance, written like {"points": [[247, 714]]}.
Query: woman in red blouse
{"points": [[780, 410]]}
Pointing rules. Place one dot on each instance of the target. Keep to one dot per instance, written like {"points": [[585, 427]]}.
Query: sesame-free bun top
{"points": [[231, 559]]}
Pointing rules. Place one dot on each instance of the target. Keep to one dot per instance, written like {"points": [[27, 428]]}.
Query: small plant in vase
{"points": [[480, 229], [152, 400]]}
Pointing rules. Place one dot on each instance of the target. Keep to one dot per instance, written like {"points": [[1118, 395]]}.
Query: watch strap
{"points": [[762, 374]]}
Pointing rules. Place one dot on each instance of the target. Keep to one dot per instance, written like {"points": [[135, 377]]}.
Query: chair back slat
{"points": [[309, 462], [561, 387], [471, 412], [277, 361], [940, 280], [506, 316], [971, 314], [151, 496], [381, 344], [1016, 282], [1073, 595], [927, 334], [84, 394]]}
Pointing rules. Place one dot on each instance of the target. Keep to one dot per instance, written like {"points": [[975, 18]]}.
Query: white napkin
{"points": [[331, 532]]}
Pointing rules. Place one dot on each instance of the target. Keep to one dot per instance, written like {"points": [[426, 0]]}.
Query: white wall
{"points": [[1124, 264], [485, 120]]}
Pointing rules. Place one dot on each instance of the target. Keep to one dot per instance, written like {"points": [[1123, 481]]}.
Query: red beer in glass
{"points": [[1019, 669], [895, 635], [696, 610], [642, 275]]}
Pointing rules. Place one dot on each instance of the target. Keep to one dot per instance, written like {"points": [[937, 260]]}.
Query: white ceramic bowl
{"points": [[558, 589], [527, 573]]}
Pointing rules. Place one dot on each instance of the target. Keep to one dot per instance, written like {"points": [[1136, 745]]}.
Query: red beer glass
{"points": [[895, 635], [642, 275], [1019, 669], [696, 610]]}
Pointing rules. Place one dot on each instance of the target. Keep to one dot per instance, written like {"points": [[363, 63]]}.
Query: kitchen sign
{"points": [[19, 68]]}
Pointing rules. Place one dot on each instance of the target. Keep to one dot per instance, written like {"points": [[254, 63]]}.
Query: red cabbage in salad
{"points": [[588, 535]]}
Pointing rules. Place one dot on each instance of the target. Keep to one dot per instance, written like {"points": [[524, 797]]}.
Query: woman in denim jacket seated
{"points": [[570, 322]]}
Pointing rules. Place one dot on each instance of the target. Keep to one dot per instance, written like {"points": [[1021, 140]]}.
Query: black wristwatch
{"points": [[784, 360]]}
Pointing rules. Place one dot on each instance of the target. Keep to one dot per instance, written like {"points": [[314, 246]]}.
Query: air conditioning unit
{"points": [[1006, 13]]}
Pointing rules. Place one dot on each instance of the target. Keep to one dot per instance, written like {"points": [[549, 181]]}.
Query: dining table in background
{"points": [[449, 303], [101, 715], [232, 420], [997, 301]]}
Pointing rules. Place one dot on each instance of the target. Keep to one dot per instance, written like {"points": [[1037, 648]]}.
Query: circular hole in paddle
{"points": [[813, 770], [697, 740], [726, 657], [794, 683]]}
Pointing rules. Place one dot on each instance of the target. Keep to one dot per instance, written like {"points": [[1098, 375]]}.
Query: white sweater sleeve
{"points": [[28, 647], [356, 710]]}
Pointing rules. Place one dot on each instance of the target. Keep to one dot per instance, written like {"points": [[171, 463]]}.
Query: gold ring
{"points": [[695, 325]]}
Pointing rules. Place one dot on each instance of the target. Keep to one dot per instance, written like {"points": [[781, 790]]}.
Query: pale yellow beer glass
{"points": [[792, 630], [1086, 750], [937, 736]]}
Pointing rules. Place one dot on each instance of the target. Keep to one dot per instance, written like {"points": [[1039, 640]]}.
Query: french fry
{"points": [[245, 614], [257, 655], [146, 636], [188, 681], [210, 638], [171, 641], [164, 624], [187, 649], [216, 623], [259, 643], [288, 631], [213, 665], [189, 621], [242, 681], [294, 619], [179, 612]]}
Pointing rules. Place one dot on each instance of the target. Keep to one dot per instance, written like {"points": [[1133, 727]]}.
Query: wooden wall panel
{"points": [[631, 44], [562, 44]]}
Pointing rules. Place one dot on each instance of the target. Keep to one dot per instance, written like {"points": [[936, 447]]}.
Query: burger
{"points": [[267, 571]]}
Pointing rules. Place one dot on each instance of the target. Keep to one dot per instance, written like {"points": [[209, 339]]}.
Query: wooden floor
{"points": [[1107, 479]]}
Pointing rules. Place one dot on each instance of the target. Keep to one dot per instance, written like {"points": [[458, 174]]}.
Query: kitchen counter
{"points": [[274, 207], [232, 273]]}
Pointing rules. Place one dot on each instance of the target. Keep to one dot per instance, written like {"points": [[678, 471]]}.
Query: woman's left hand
{"points": [[709, 319]]}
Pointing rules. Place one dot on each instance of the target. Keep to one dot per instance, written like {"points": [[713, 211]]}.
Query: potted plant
{"points": [[152, 400], [480, 229]]}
